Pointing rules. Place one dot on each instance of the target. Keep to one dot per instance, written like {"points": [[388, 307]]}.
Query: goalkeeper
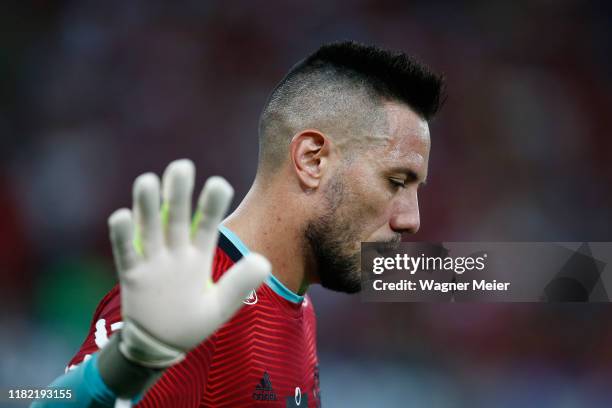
{"points": [[344, 147]]}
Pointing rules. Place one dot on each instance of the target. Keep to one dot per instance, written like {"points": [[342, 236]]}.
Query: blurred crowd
{"points": [[94, 93]]}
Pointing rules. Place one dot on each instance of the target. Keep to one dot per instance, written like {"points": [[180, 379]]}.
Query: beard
{"points": [[338, 264], [332, 239], [338, 267]]}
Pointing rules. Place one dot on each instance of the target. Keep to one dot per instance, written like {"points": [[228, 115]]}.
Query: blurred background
{"points": [[94, 93]]}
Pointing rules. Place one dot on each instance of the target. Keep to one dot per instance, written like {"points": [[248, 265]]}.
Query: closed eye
{"points": [[396, 182]]}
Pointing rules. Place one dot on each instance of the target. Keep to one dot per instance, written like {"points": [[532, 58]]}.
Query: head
{"points": [[347, 128]]}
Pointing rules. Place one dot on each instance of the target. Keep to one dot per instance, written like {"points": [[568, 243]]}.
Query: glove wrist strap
{"points": [[141, 348]]}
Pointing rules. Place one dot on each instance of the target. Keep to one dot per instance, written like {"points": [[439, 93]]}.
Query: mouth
{"points": [[388, 246]]}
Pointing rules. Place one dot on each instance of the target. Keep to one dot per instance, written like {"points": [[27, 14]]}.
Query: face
{"points": [[373, 198]]}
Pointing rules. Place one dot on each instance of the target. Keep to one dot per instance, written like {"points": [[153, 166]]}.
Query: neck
{"points": [[267, 225]]}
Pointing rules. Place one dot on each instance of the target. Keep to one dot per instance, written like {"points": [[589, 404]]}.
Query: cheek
{"points": [[370, 208]]}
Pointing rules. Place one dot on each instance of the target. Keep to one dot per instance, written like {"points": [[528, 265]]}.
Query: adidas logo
{"points": [[264, 390]]}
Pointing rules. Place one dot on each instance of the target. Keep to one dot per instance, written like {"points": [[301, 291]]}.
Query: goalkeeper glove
{"points": [[169, 303]]}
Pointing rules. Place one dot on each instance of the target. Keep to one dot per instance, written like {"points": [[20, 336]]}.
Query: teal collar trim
{"points": [[282, 290], [271, 281], [233, 238]]}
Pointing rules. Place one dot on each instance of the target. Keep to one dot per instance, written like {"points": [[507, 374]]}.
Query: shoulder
{"points": [[309, 310], [110, 303]]}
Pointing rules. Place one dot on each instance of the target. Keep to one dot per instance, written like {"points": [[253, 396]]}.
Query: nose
{"points": [[405, 217]]}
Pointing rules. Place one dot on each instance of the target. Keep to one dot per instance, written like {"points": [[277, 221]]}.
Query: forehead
{"points": [[406, 141]]}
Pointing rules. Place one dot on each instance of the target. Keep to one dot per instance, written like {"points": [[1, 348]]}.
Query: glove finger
{"points": [[238, 281], [146, 205], [121, 228], [177, 188], [213, 203]]}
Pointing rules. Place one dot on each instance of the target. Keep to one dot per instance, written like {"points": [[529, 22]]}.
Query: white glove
{"points": [[168, 301]]}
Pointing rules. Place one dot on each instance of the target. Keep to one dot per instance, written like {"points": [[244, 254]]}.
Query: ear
{"points": [[309, 151]]}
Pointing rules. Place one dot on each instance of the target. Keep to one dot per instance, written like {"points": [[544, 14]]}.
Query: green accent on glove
{"points": [[194, 223], [165, 209], [137, 242]]}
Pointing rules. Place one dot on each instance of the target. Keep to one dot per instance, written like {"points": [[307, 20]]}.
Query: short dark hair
{"points": [[344, 79]]}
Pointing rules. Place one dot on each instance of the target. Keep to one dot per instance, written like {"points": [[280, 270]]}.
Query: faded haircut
{"points": [[340, 90]]}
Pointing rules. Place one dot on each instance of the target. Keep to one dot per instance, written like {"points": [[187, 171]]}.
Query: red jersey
{"points": [[265, 356]]}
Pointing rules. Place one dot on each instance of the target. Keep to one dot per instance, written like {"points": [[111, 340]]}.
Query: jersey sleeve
{"points": [[81, 385], [82, 377], [106, 321]]}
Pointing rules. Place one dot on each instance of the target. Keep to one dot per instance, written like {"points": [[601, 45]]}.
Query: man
{"points": [[344, 147]]}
